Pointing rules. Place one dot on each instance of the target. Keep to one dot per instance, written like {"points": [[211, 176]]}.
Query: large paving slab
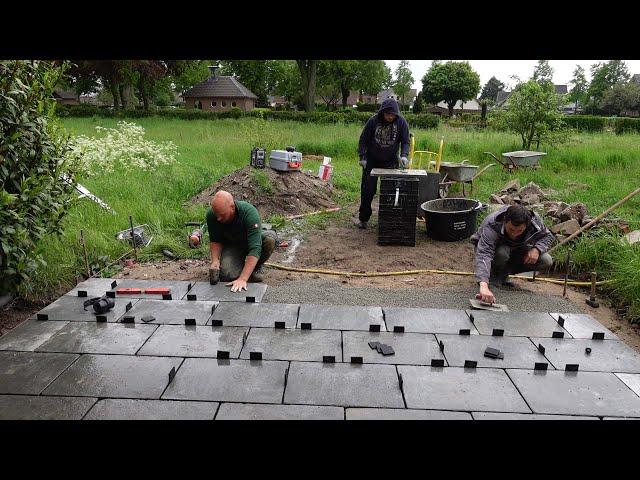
{"points": [[239, 314], [340, 317], [194, 341], [228, 381], [605, 356], [114, 376], [428, 320], [631, 380], [29, 373], [28, 407], [519, 352], [108, 338], [576, 393], [454, 388], [293, 344], [95, 287], [172, 312], [516, 324], [178, 288], [256, 411], [409, 348], [222, 293], [525, 416], [29, 335], [127, 409], [403, 414], [343, 384], [580, 325], [71, 309]]}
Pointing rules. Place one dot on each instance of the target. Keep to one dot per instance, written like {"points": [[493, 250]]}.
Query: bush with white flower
{"points": [[122, 146]]}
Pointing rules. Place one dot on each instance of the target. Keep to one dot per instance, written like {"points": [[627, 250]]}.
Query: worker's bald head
{"points": [[223, 206]]}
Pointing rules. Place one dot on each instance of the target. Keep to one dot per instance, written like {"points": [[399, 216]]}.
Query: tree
{"points": [[621, 98], [605, 75], [259, 76], [289, 83], [308, 70], [347, 75], [149, 72], [184, 74], [450, 82], [543, 73], [418, 104], [403, 81], [491, 89], [579, 90]]}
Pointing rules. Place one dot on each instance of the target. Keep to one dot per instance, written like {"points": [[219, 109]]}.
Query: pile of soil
{"points": [[286, 193]]}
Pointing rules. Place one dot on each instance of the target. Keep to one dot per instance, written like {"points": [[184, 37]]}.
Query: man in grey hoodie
{"points": [[511, 240]]}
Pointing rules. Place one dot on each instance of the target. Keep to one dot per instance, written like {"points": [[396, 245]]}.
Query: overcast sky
{"points": [[502, 69]]}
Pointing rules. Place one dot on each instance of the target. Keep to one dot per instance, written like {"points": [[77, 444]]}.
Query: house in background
{"points": [[65, 98], [276, 100], [470, 106], [503, 97], [409, 97], [220, 93]]}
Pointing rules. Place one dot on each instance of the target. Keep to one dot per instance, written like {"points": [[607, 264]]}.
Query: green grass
{"points": [[608, 164]]}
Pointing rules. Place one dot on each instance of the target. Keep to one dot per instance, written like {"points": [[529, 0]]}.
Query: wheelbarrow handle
{"points": [[482, 170]]}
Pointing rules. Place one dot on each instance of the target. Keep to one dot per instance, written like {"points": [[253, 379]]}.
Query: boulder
{"points": [[531, 199], [566, 228], [531, 189], [575, 211], [495, 199], [632, 237], [512, 186]]}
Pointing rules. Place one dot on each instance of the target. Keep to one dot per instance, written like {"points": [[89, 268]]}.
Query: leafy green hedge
{"points": [[586, 123], [627, 125], [368, 107]]}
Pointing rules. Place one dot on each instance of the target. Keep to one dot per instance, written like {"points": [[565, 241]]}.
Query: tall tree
{"points": [[543, 73], [308, 70], [622, 98], [450, 82], [259, 76], [605, 75], [579, 82], [149, 72], [184, 74], [348, 75], [491, 89], [403, 80]]}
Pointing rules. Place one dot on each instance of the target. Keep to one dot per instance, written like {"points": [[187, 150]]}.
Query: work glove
{"points": [[404, 162], [214, 276], [363, 162]]}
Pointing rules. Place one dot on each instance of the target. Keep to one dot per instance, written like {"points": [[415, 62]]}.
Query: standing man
{"points": [[238, 245], [382, 136], [510, 240]]}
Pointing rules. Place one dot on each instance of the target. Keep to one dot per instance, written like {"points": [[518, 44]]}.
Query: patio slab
{"points": [[526, 416], [582, 326], [293, 344], [340, 317], [178, 288], [403, 414], [194, 341], [126, 409], [631, 380], [29, 373], [238, 314], [71, 309], [222, 293], [28, 407], [516, 324], [255, 411], [172, 312], [29, 335], [428, 320], [95, 287], [410, 348]]}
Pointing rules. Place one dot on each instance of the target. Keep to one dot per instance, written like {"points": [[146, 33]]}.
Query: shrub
{"points": [[586, 123], [627, 125], [422, 120], [368, 107]]}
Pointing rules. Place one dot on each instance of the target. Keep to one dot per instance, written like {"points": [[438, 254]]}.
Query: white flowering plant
{"points": [[122, 146]]}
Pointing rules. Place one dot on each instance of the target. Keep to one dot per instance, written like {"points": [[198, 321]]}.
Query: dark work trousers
{"points": [[508, 261], [368, 189], [233, 257]]}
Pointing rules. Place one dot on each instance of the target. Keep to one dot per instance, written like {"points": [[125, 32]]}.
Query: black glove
{"points": [[214, 276]]}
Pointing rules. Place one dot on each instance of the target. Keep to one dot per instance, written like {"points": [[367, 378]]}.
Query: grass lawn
{"points": [[609, 166]]}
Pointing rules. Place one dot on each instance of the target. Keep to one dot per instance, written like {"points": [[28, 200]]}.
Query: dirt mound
{"points": [[273, 192]]}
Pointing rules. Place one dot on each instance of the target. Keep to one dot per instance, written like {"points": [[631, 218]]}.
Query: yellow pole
{"points": [[439, 159]]}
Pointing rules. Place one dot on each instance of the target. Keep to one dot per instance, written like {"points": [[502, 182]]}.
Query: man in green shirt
{"points": [[239, 247]]}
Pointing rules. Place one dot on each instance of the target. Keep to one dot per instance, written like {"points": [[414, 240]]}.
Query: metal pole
{"points": [[133, 239], [566, 275], [84, 251]]}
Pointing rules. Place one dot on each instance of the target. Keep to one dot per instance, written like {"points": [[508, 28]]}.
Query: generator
{"points": [[258, 156], [285, 160]]}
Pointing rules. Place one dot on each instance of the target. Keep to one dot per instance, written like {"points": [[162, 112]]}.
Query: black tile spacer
{"points": [[471, 317], [305, 326], [82, 293], [286, 377], [441, 344], [129, 319], [114, 284], [43, 316], [213, 308], [172, 374], [166, 296], [557, 335], [190, 321], [597, 336], [541, 366], [356, 359], [222, 354], [250, 299], [279, 325], [244, 338], [400, 381], [465, 331], [571, 367], [470, 364], [328, 359], [216, 323], [561, 320], [398, 329], [374, 327], [191, 296], [101, 318], [541, 348], [255, 355], [497, 332], [129, 306], [111, 294], [437, 362], [189, 286]]}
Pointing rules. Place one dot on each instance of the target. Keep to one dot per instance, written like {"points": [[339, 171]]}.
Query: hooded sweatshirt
{"points": [[380, 140]]}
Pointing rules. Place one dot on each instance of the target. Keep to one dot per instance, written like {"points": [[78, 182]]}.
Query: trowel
{"points": [[492, 307]]}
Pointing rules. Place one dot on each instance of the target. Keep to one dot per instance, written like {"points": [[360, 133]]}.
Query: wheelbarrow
{"points": [[459, 173], [520, 158]]}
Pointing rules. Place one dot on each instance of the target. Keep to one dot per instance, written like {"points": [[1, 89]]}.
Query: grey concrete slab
{"points": [[582, 326], [576, 393], [619, 418], [114, 376], [403, 414], [526, 416], [428, 320], [30, 372], [28, 407], [29, 335], [454, 388], [71, 309], [239, 314], [84, 337], [519, 352], [228, 381], [631, 380], [95, 287], [410, 348], [605, 356], [172, 312], [255, 411], [343, 384], [516, 324], [340, 317], [178, 288], [222, 293], [194, 341], [127, 409], [293, 344]]}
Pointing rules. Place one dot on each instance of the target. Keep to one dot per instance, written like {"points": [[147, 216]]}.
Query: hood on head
{"points": [[389, 106]]}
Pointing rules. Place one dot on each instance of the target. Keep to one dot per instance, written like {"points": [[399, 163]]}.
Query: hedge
{"points": [[586, 123], [627, 125]]}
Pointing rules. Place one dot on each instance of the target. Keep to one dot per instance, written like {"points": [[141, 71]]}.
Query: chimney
{"points": [[212, 69]]}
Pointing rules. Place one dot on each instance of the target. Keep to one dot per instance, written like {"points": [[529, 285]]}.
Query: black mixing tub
{"points": [[451, 219]]}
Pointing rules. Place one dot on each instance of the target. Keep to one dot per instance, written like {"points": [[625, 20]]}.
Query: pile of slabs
{"points": [[207, 353]]}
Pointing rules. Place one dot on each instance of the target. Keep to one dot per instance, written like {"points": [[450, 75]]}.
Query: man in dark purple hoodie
{"points": [[382, 136]]}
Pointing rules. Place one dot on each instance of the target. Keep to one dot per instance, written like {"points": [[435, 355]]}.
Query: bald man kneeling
{"points": [[239, 247]]}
